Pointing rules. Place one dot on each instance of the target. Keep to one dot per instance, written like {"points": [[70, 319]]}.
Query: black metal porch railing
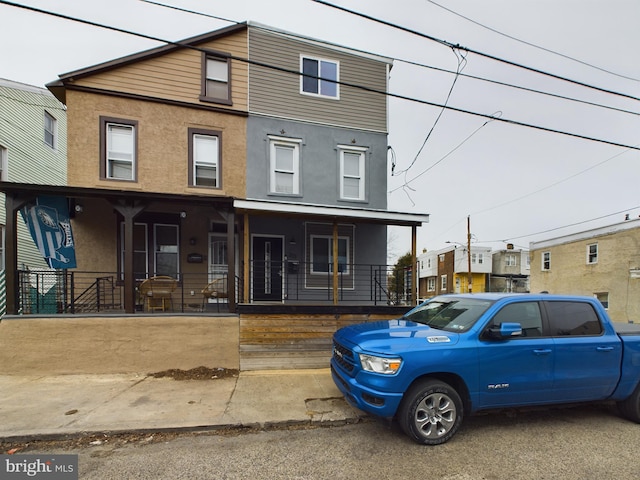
{"points": [[80, 292]]}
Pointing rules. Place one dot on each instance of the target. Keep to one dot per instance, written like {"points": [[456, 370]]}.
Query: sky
{"points": [[469, 162]]}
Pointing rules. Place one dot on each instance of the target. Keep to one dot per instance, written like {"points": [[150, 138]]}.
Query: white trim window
{"points": [[205, 160], [510, 260], [431, 284], [50, 128], [603, 298], [319, 77], [546, 261], [322, 254], [284, 165], [443, 283], [120, 151], [352, 172], [592, 254]]}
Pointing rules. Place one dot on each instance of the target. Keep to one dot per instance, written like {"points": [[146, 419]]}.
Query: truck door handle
{"points": [[542, 351], [604, 349]]}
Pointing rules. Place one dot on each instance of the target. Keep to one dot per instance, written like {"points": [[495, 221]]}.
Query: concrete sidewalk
{"points": [[50, 406]]}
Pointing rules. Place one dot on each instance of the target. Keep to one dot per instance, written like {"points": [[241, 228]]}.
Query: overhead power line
{"points": [[544, 49], [298, 73], [409, 62], [626, 210], [477, 52]]}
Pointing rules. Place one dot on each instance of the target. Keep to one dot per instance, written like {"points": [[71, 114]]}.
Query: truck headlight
{"points": [[388, 366]]}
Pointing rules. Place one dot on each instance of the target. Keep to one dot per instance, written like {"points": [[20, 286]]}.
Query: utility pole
{"points": [[470, 278]]}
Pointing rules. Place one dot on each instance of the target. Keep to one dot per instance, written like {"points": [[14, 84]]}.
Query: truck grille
{"points": [[343, 356]]}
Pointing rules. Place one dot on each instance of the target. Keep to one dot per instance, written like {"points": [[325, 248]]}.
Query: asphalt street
{"points": [[568, 443]]}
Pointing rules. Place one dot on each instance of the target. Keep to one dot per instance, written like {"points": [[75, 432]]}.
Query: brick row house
{"points": [[447, 271], [248, 158]]}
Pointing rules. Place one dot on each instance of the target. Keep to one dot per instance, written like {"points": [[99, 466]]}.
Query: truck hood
{"points": [[394, 336]]}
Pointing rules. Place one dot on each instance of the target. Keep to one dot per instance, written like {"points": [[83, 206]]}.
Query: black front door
{"points": [[267, 268]]}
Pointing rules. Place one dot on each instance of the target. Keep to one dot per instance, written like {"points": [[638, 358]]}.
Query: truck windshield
{"points": [[453, 314]]}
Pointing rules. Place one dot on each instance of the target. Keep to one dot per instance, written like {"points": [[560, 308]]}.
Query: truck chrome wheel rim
{"points": [[435, 415]]}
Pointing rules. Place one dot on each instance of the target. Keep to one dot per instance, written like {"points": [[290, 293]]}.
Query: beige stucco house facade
{"points": [[603, 262]]}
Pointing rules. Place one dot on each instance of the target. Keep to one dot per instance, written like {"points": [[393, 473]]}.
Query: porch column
{"points": [[231, 261], [129, 210], [246, 259], [12, 205], [414, 266], [335, 262]]}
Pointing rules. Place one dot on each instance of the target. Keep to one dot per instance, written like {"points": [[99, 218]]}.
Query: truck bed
{"points": [[626, 328]]}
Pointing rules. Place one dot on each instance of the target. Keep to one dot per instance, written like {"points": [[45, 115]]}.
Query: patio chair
{"points": [[157, 292], [216, 289]]}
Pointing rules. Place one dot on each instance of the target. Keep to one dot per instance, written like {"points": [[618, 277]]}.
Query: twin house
{"points": [[248, 158]]}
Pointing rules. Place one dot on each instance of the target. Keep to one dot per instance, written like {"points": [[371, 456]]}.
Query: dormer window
{"points": [[319, 77]]}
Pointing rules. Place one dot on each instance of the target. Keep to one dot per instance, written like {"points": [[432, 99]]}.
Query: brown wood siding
{"points": [[176, 75], [277, 93], [280, 341]]}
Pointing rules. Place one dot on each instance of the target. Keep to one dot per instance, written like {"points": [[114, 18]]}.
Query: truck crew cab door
{"points": [[517, 370], [587, 361]]}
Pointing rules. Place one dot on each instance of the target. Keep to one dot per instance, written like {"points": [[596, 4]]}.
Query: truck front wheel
{"points": [[630, 407], [431, 412]]}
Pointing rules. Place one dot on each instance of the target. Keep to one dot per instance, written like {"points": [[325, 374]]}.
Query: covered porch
{"points": [[164, 253]]}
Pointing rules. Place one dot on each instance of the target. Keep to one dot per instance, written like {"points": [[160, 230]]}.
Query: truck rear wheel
{"points": [[630, 406], [431, 412]]}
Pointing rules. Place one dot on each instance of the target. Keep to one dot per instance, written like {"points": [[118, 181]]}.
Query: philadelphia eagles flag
{"points": [[50, 228]]}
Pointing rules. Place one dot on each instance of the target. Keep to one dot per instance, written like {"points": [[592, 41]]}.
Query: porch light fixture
{"points": [[292, 241], [78, 208], [183, 214]]}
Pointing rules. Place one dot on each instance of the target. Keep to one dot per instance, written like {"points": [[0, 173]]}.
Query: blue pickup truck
{"points": [[454, 355]]}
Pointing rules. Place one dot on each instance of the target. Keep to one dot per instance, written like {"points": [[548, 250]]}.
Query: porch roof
{"points": [[345, 213], [30, 189]]}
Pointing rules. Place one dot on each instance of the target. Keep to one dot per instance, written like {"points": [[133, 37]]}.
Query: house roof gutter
{"points": [[348, 214]]}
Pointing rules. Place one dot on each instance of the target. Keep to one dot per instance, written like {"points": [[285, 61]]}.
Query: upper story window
{"points": [[204, 158], [352, 172], [477, 258], [592, 253], [510, 260], [546, 261], [319, 77], [441, 257], [49, 130], [118, 149], [4, 156], [216, 74], [284, 165]]}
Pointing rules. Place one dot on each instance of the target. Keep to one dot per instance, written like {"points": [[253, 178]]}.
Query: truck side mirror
{"points": [[505, 330]]}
